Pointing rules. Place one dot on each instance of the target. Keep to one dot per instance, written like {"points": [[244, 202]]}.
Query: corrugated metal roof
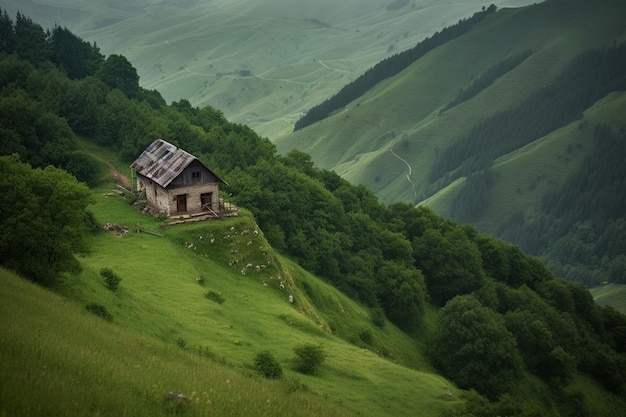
{"points": [[162, 162]]}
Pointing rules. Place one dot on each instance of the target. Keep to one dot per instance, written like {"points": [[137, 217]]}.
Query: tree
{"points": [[402, 295], [44, 220], [450, 261], [77, 57], [309, 357], [474, 348], [117, 72], [7, 34], [266, 364], [31, 40]]}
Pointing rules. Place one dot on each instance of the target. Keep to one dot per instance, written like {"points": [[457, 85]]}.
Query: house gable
{"points": [[195, 173]]}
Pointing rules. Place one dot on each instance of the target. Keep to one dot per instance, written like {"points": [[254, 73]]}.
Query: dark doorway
{"points": [[181, 203], [206, 201]]}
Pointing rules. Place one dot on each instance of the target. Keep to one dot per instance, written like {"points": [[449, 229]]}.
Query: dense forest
{"points": [[589, 207], [584, 216], [504, 321], [388, 68]]}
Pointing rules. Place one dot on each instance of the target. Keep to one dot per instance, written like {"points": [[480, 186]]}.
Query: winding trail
{"points": [[408, 176]]}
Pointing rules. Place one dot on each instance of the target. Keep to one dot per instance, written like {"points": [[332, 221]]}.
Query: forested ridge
{"points": [[505, 322], [585, 212], [470, 117]]}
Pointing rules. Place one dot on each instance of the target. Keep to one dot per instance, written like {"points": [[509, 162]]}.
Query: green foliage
{"points": [[99, 310], [117, 72], [111, 278], [474, 348], [507, 405], [377, 316], [451, 262], [587, 228], [31, 40], [551, 107], [45, 221], [84, 167], [402, 294], [77, 57], [309, 357], [504, 313], [7, 34], [215, 296], [294, 385], [266, 364]]}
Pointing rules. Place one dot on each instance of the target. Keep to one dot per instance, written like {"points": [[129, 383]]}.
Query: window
{"points": [[195, 177]]}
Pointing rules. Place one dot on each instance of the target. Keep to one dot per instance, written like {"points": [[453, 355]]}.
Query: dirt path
{"points": [[408, 176], [120, 178]]}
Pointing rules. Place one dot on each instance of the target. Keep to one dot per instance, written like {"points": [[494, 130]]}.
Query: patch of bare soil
{"points": [[119, 178]]}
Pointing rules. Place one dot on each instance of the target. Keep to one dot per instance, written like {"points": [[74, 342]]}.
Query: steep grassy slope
{"points": [[60, 360], [612, 295], [234, 312], [397, 123], [262, 63], [396, 137]]}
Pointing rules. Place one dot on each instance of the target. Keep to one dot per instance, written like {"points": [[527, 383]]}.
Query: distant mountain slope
{"points": [[262, 63], [402, 138]]}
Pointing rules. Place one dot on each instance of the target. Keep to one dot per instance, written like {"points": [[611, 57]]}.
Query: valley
{"points": [[264, 64]]}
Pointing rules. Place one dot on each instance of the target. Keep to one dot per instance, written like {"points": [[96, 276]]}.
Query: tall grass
{"points": [[59, 360], [166, 335]]}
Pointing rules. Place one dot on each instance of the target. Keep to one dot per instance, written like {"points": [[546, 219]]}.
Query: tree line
{"points": [[504, 319], [388, 68], [579, 228], [594, 74]]}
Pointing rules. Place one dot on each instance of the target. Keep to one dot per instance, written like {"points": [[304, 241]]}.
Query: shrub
{"points": [[111, 278], [309, 357], [377, 315], [99, 310], [266, 365], [294, 385], [215, 296]]}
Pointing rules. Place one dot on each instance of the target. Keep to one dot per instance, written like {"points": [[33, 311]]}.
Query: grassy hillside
{"points": [[612, 295], [391, 137], [262, 63], [200, 335], [60, 360], [402, 113]]}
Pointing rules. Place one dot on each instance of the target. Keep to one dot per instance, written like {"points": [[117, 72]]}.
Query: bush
{"points": [[309, 357], [99, 310], [215, 296], [377, 315], [293, 385], [266, 365], [111, 278]]}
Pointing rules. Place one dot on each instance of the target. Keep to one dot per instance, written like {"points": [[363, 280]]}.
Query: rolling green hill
{"points": [[262, 63], [224, 293], [171, 332], [405, 142]]}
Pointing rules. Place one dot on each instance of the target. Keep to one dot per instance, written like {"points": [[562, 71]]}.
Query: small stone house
{"points": [[176, 182]]}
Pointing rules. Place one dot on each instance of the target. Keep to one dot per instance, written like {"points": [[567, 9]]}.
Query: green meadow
{"points": [[192, 310], [613, 295]]}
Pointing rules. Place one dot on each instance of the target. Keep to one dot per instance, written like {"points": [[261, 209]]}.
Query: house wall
{"points": [[193, 194], [166, 201], [156, 196]]}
